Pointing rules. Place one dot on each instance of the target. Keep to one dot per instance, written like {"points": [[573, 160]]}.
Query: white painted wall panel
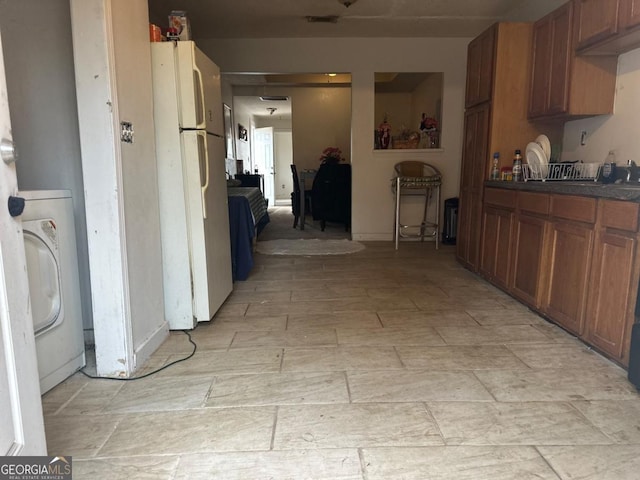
{"points": [[373, 200], [113, 72]]}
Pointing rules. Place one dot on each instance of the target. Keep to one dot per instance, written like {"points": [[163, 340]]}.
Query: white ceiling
{"points": [[363, 18]]}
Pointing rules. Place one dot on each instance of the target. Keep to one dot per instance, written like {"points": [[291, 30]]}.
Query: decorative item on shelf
{"points": [[331, 155], [384, 134], [179, 23], [407, 139], [155, 33], [430, 136]]}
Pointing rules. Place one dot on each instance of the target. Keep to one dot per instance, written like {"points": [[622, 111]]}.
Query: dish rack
{"points": [[561, 172]]}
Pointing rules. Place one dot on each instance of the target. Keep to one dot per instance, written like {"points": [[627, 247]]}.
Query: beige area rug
{"points": [[311, 246]]}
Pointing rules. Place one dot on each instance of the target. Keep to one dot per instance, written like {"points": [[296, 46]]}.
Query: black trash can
{"points": [[450, 221]]}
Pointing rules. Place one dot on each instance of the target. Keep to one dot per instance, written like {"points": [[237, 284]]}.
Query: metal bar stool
{"points": [[416, 178]]}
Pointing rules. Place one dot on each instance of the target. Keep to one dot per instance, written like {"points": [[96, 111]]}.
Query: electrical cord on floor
{"points": [[195, 347]]}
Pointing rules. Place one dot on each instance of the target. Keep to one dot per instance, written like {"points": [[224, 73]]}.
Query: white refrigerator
{"points": [[194, 215]]}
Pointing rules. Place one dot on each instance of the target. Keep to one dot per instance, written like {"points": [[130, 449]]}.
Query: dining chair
{"points": [[331, 194], [295, 199]]}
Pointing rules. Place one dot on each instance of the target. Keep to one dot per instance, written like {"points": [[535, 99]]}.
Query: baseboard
{"points": [[385, 237], [62, 373], [150, 345], [372, 237]]}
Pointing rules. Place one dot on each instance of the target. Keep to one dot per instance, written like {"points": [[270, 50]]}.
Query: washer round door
{"points": [[45, 290]]}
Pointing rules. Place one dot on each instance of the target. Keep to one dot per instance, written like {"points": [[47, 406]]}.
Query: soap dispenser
{"points": [[608, 172], [632, 172]]}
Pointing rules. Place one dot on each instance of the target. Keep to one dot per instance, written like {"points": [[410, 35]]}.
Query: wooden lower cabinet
{"points": [[612, 293], [469, 227], [570, 250], [528, 245], [495, 261], [574, 259]]}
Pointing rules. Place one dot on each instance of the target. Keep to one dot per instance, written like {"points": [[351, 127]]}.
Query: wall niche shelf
{"points": [[408, 107]]}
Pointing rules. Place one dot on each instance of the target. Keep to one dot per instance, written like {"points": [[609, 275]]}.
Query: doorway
{"points": [[263, 155], [283, 180]]}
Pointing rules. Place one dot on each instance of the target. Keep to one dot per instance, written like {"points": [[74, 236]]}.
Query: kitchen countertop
{"points": [[623, 191]]}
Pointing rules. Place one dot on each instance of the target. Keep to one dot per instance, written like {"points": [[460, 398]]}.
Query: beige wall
{"points": [[321, 118], [362, 57], [243, 148]]}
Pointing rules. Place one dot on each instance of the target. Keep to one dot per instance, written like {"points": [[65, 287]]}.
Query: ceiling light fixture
{"points": [[347, 3]]}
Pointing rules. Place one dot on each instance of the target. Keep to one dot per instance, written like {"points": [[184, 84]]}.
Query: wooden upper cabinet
{"points": [[607, 27], [551, 57], [629, 15], [541, 76], [560, 61], [498, 72], [480, 60], [562, 83], [596, 20]]}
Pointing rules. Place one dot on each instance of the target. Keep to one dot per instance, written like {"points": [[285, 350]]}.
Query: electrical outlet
{"points": [[126, 132]]}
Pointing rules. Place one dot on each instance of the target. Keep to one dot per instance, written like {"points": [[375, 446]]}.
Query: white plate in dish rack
{"points": [[545, 144], [537, 161]]}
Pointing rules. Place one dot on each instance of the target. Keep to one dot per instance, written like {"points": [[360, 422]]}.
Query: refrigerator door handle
{"points": [[205, 187], [200, 105]]}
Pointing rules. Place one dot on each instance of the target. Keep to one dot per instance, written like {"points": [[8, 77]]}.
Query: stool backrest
{"points": [[414, 168]]}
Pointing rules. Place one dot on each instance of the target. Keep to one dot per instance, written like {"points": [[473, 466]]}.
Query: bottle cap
{"points": [[496, 155], [518, 152]]}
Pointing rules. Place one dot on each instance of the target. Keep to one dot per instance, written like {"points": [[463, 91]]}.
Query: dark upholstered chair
{"points": [[331, 194], [248, 180], [295, 199]]}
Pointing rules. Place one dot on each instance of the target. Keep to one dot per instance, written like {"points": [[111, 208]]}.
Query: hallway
{"points": [[280, 226], [378, 365]]}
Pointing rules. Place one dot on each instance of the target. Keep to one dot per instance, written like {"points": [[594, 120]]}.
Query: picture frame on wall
{"points": [[229, 144], [242, 133]]}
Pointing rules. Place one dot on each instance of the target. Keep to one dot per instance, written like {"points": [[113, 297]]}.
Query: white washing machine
{"points": [[54, 284]]}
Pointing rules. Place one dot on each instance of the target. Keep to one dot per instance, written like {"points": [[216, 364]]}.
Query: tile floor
{"points": [[378, 365]]}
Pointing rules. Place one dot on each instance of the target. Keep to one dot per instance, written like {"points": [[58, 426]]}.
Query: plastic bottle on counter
{"points": [[516, 175], [495, 169]]}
